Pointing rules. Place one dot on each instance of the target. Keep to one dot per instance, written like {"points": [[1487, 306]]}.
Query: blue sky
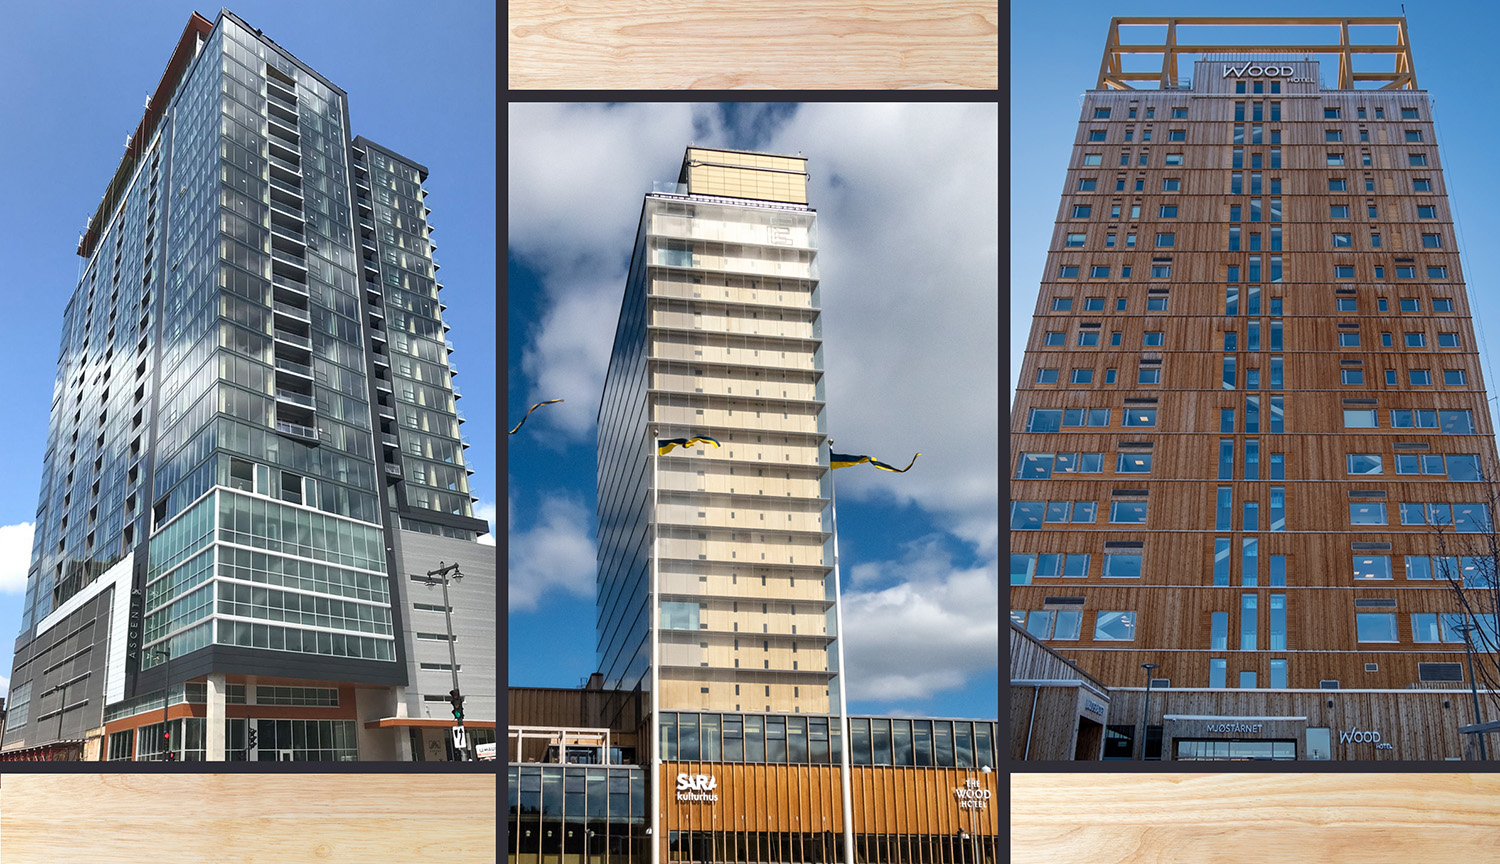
{"points": [[908, 223], [1452, 51], [78, 78]]}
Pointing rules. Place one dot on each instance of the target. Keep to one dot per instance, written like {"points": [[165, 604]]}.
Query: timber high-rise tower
{"points": [[1251, 431]]}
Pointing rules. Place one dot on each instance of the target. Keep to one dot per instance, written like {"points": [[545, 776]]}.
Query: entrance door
{"points": [[1090, 737], [284, 755]]}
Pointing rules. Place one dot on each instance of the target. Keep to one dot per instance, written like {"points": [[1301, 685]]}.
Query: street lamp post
{"points": [[434, 577], [1465, 629], [1146, 708], [166, 692]]}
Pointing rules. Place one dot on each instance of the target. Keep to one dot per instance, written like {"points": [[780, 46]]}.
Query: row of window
{"points": [[1040, 466], [1331, 136], [1256, 187], [1329, 112], [1099, 135], [1447, 422], [1464, 518], [1093, 160], [1031, 515], [1144, 375], [1459, 468], [1056, 419], [1151, 374], [1470, 571], [1157, 302], [1406, 304], [1120, 626]]}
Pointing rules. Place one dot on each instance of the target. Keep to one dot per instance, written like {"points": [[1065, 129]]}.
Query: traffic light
{"points": [[252, 737], [166, 744], [456, 699]]}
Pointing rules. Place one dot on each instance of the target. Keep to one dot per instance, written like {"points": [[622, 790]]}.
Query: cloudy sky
{"points": [[908, 223]]}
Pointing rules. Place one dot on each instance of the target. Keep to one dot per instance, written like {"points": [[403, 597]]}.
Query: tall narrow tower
{"points": [[719, 336], [1251, 418]]}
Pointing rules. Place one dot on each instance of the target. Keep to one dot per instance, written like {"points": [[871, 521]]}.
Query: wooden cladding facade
{"points": [[807, 799], [1293, 291]]}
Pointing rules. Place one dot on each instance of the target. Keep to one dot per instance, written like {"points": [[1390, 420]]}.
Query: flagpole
{"points": [[655, 703], [838, 621]]}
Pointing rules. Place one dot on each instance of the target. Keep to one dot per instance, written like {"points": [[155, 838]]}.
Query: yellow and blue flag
{"points": [[844, 460], [528, 413], [665, 445]]}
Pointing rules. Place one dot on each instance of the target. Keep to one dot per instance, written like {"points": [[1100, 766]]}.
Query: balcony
{"points": [[297, 313], [281, 130], [295, 398], [380, 359], [389, 439], [298, 288], [286, 91], [288, 188], [281, 335], [393, 470], [290, 166], [287, 258], [286, 364], [297, 430]]}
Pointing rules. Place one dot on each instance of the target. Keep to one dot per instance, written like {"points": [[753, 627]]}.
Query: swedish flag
{"points": [[528, 413], [844, 460], [665, 445]]}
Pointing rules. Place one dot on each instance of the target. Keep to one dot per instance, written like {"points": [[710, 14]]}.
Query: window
{"points": [[1333, 135], [1408, 113], [1026, 515], [1419, 377], [1173, 159], [1335, 160], [1372, 567], [1088, 185], [1456, 422], [1421, 185], [1166, 240], [1148, 375], [1359, 418], [1062, 304], [1335, 211], [1096, 134], [1127, 512], [1342, 240], [1179, 113], [1156, 304], [1351, 376], [1122, 566], [1099, 272], [1115, 337], [1133, 463], [1081, 211], [1447, 340], [1374, 240], [1247, 622], [1375, 626], [1090, 159], [1432, 241], [1364, 463], [1371, 212], [1385, 338], [1046, 376], [1177, 135], [1411, 304], [1416, 160], [1101, 113], [1083, 376], [1161, 271], [1414, 135], [1075, 240], [1416, 340], [1426, 211], [1346, 304], [1168, 211], [1367, 513], [1088, 337], [1454, 377], [1067, 271], [1153, 337], [1437, 273], [1349, 339], [1114, 627], [1330, 113], [1338, 185], [1236, 183], [1045, 420], [1171, 184]]}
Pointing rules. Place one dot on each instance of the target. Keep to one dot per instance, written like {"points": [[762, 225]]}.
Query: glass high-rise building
{"points": [[254, 456], [719, 336]]}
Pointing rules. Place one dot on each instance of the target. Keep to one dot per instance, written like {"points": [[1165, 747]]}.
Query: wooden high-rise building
{"points": [[1251, 424]]}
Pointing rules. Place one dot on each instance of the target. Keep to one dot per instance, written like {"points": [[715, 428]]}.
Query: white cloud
{"points": [[15, 556], [556, 553], [932, 629], [486, 510], [909, 263]]}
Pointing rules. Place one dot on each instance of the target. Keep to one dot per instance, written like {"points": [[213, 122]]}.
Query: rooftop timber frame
{"points": [[1112, 74]]}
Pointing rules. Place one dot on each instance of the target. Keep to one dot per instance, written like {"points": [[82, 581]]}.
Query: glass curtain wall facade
{"points": [[217, 496], [720, 336]]}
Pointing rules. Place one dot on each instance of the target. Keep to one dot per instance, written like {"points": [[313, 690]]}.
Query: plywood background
{"points": [[230, 819], [774, 44], [1243, 818]]}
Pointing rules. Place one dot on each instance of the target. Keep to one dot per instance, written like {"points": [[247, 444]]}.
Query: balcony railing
{"points": [[296, 312], [297, 430], [292, 338], [294, 367], [295, 398]]}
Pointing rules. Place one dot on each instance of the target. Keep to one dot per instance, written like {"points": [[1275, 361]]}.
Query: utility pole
{"points": [[166, 693], [455, 697]]}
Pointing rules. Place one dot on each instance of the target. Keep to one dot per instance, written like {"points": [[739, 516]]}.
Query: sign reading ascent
{"points": [[697, 787]]}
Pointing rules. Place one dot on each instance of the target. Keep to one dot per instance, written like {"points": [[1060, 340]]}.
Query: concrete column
{"points": [[214, 732]]}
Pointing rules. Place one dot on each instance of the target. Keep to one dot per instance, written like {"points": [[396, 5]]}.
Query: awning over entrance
{"points": [[58, 751], [425, 723]]}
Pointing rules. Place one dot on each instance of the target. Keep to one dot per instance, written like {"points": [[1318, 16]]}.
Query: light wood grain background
{"points": [[230, 819], [1235, 818], [769, 44]]}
